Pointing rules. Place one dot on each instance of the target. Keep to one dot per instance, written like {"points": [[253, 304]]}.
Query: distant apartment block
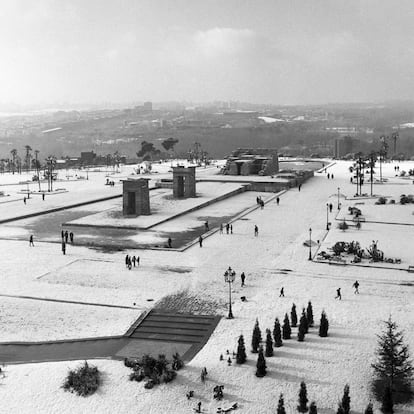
{"points": [[343, 146]]}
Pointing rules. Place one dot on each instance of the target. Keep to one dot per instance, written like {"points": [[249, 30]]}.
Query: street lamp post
{"points": [[229, 276], [310, 244], [339, 204], [327, 216]]}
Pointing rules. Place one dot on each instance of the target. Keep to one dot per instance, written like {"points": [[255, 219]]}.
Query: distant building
{"points": [[147, 106], [252, 161], [343, 146], [87, 157]]}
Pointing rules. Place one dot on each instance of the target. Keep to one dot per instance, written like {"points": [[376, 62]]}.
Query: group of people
{"points": [[66, 236], [260, 202], [229, 228], [356, 290], [131, 261], [330, 175]]}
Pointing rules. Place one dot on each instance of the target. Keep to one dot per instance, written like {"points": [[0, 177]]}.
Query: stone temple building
{"points": [[252, 161]]}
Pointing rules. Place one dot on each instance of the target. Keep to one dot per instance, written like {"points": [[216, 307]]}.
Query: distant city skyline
{"points": [[270, 52]]}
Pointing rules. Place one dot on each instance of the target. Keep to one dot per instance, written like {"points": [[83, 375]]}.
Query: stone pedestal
{"points": [[184, 182], [135, 195]]}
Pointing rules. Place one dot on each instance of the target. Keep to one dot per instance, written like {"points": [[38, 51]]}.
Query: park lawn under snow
{"points": [[274, 259]]}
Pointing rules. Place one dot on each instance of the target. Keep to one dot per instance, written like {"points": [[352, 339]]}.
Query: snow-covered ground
{"points": [[274, 259]]}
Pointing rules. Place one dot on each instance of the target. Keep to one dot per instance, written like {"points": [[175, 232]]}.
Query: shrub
{"points": [[303, 398], [256, 337], [269, 344], [343, 226], [261, 364], [286, 330], [339, 247], [84, 381], [177, 363], [281, 405], [323, 325], [346, 400], [241, 351], [381, 200], [312, 408], [293, 316], [277, 334]]}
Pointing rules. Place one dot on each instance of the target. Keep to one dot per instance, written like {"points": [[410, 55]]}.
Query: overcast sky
{"points": [[264, 51]]}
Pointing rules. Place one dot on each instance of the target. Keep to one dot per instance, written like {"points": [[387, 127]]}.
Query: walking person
{"points": [[24, 200], [137, 260], [66, 236], [129, 263], [282, 292], [63, 247], [338, 294], [243, 278], [169, 242], [356, 286], [31, 240], [200, 241], [299, 187], [330, 207], [329, 176], [43, 197], [206, 226], [71, 237], [134, 260], [126, 260], [256, 231], [221, 228], [277, 200], [231, 228], [62, 234], [227, 228]]}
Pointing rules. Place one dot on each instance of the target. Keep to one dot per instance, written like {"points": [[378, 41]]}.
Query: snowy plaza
{"points": [[89, 292]]}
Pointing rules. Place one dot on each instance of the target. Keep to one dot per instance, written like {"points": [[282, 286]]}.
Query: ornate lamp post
{"points": [[327, 216], [310, 244], [339, 204], [229, 276]]}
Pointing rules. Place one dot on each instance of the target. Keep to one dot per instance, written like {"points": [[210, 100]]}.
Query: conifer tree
{"points": [[293, 316], [369, 409], [303, 398], [346, 400], [261, 364], [241, 351], [304, 320], [323, 326], [269, 344], [286, 330], [309, 314], [277, 334], [256, 338], [340, 410], [312, 408], [387, 406], [393, 365], [302, 328], [281, 405]]}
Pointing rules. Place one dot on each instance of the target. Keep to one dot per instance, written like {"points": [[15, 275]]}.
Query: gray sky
{"points": [[265, 51]]}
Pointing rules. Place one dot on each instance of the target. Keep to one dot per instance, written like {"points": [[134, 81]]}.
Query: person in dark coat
{"points": [[137, 260], [231, 228], [43, 196], [282, 292], [169, 242], [256, 231], [243, 278], [356, 286], [63, 247], [227, 228], [277, 200], [126, 260], [200, 241], [338, 294], [31, 240], [66, 236], [134, 259], [71, 237]]}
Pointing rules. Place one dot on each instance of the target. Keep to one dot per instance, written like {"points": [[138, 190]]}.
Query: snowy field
{"points": [[274, 259]]}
